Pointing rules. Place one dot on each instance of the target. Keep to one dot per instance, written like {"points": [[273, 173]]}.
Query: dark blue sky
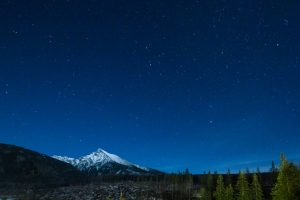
{"points": [[164, 84]]}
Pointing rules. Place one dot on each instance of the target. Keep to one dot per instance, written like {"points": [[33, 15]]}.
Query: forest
{"points": [[281, 183]]}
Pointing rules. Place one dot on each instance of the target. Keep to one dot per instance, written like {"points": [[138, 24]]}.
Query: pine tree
{"points": [[215, 178], [219, 193], [273, 173], [188, 182], [273, 168], [228, 178], [256, 189], [209, 184], [287, 186], [203, 179], [248, 175], [172, 184], [229, 193], [259, 176], [203, 193], [242, 187]]}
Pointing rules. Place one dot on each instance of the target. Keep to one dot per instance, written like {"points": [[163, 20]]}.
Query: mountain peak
{"points": [[101, 159], [99, 149]]}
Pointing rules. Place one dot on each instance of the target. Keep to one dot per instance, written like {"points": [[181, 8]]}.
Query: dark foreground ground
{"points": [[105, 191]]}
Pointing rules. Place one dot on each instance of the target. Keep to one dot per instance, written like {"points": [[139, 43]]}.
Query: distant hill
{"points": [[23, 166], [101, 162]]}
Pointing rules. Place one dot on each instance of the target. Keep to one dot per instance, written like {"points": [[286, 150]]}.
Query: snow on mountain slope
{"points": [[66, 159], [116, 158], [98, 159]]}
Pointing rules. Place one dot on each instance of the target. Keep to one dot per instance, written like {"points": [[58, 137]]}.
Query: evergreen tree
{"points": [[259, 176], [188, 182], [203, 179], [219, 193], [209, 184], [176, 184], [287, 186], [247, 170], [188, 179], [229, 193], [256, 189], [203, 194], [273, 174], [215, 178], [248, 175], [273, 168], [228, 178], [173, 183], [242, 187]]}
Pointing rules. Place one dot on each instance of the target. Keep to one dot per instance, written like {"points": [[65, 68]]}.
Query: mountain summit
{"points": [[102, 162]]}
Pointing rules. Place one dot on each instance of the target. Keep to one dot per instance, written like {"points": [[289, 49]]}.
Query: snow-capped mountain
{"points": [[102, 162], [99, 157]]}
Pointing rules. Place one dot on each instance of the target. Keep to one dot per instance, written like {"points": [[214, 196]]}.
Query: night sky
{"points": [[164, 84]]}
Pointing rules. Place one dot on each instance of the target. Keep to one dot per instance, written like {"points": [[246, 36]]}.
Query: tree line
{"points": [[249, 185], [282, 183]]}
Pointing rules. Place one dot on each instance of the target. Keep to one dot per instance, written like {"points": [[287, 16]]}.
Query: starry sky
{"points": [[164, 84]]}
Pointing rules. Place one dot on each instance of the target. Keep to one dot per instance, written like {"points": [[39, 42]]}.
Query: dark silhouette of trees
{"points": [[273, 174], [228, 178], [273, 168], [209, 185], [215, 178], [248, 175], [259, 176]]}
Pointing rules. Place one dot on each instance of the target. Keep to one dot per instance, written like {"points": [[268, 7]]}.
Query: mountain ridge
{"points": [[102, 162], [18, 164]]}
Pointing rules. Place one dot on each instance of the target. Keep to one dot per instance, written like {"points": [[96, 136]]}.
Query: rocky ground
{"points": [[105, 191], [100, 191]]}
